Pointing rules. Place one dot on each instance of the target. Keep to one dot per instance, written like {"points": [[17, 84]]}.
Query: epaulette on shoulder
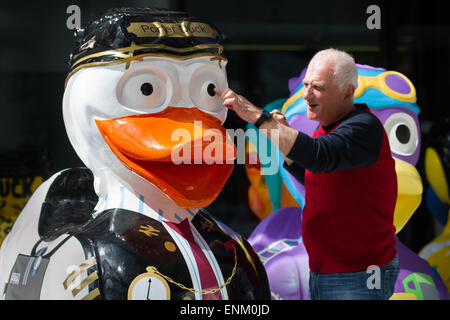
{"points": [[68, 205]]}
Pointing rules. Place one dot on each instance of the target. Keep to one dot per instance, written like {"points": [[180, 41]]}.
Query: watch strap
{"points": [[265, 115]]}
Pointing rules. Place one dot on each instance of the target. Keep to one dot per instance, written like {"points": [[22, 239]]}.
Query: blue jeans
{"points": [[362, 285]]}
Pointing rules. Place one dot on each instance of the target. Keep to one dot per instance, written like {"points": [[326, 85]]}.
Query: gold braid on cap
{"points": [[126, 55], [122, 37]]}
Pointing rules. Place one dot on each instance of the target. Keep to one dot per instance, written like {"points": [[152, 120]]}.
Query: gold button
{"points": [[170, 246]]}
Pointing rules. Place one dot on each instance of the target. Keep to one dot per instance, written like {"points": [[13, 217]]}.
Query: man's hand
{"points": [[278, 116], [246, 110], [285, 137]]}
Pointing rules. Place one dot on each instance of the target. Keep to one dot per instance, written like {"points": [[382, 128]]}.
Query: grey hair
{"points": [[343, 64]]}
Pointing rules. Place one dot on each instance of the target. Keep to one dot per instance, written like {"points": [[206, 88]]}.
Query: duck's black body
{"points": [[124, 244]]}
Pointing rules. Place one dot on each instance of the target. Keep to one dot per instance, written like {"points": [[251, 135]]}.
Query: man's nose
{"points": [[306, 92]]}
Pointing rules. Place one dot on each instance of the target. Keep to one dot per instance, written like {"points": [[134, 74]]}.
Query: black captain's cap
{"points": [[124, 34]]}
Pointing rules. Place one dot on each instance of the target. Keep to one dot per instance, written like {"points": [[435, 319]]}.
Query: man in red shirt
{"points": [[349, 177]]}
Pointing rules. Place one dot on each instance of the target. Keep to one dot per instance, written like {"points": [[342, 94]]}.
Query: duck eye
{"points": [[403, 134], [146, 89], [210, 89]]}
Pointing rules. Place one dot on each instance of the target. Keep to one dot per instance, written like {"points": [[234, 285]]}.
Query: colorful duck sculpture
{"points": [[277, 239], [437, 171], [138, 99]]}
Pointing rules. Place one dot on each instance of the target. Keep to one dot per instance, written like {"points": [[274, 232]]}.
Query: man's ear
{"points": [[349, 92]]}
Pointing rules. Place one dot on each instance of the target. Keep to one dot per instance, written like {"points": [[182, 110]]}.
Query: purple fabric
{"points": [[294, 82], [398, 84], [409, 263], [289, 274], [301, 122], [367, 67], [274, 227]]}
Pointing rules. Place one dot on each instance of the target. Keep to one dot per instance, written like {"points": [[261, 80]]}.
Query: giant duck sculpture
{"points": [[138, 99]]}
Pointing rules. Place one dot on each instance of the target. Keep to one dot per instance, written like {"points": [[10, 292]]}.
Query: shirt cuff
{"points": [[296, 171]]}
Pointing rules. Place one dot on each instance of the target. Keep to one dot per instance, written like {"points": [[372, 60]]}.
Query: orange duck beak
{"points": [[148, 144]]}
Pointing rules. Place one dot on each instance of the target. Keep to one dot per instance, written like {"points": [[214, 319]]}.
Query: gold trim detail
{"points": [[131, 53], [241, 244], [171, 30], [91, 278], [149, 274], [139, 57], [180, 285], [170, 246], [149, 231], [117, 53], [81, 268], [91, 295], [120, 53], [247, 254]]}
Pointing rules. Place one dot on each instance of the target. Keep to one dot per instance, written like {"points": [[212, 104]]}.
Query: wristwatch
{"points": [[265, 115]]}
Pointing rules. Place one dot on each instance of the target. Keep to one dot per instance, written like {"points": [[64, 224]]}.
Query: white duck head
{"points": [[139, 96]]}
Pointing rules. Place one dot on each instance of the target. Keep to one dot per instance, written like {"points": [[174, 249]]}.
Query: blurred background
{"points": [[266, 43]]}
